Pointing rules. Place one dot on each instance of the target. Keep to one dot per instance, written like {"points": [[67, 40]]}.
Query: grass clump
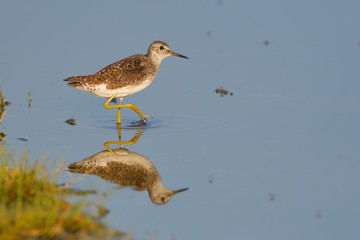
{"points": [[4, 106], [34, 206]]}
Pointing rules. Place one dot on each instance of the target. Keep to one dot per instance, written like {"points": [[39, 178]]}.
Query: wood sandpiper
{"points": [[125, 77]]}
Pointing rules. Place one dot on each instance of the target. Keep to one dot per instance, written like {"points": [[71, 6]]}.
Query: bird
{"points": [[125, 77], [126, 168]]}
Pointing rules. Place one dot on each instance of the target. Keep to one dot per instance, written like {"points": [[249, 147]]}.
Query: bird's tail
{"points": [[75, 169], [76, 79]]}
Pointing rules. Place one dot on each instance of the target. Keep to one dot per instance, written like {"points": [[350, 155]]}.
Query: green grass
{"points": [[4, 106], [34, 206]]}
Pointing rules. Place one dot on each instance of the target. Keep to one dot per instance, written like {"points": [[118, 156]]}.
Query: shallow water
{"points": [[278, 159]]}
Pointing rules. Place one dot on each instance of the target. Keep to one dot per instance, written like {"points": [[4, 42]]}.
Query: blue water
{"points": [[279, 159]]}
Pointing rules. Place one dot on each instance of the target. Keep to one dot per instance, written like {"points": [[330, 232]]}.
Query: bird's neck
{"points": [[155, 59]]}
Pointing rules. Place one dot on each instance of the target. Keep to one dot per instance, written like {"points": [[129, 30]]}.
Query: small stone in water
{"points": [[71, 121]]}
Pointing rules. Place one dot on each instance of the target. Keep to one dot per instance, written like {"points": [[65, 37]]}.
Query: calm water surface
{"points": [[279, 159]]}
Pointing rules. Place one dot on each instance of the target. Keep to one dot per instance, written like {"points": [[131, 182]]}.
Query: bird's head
{"points": [[161, 50]]}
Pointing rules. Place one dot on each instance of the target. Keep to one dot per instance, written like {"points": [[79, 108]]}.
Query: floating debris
{"points": [[23, 139], [208, 33], [29, 105], [266, 42], [71, 121], [318, 213], [211, 178], [272, 197], [223, 92]]}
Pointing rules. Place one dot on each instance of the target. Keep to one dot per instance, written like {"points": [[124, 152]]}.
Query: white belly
{"points": [[102, 91]]}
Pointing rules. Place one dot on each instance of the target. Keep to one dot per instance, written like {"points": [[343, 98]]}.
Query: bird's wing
{"points": [[129, 71], [118, 74]]}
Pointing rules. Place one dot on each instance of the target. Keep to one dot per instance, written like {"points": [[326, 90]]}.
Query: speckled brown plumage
{"points": [[127, 76], [126, 175], [132, 70], [128, 169]]}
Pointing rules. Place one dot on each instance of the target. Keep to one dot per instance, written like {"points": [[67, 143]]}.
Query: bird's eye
{"points": [[161, 47], [162, 198]]}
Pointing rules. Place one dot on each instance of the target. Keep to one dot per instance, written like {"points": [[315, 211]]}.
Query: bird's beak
{"points": [[178, 55], [179, 191]]}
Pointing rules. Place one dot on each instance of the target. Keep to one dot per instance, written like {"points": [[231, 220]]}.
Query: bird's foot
{"points": [[146, 118]]}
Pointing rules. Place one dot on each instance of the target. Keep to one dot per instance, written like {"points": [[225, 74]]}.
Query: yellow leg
{"points": [[131, 106]]}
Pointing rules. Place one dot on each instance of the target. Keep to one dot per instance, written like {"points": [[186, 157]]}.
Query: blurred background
{"points": [[277, 157]]}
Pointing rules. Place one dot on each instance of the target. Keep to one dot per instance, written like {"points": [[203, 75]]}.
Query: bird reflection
{"points": [[126, 168]]}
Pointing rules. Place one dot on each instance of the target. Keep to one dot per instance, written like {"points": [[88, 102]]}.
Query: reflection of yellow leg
{"points": [[131, 106], [118, 116], [131, 142]]}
